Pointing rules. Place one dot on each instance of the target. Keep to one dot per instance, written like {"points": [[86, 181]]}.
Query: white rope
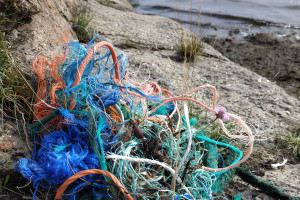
{"points": [[186, 113], [145, 160]]}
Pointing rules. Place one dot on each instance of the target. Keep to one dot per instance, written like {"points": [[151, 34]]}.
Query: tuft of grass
{"points": [[291, 140], [107, 3], [14, 88], [81, 21], [189, 48], [3, 185]]}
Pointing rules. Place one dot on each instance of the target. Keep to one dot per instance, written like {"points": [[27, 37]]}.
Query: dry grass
{"points": [[290, 140], [81, 21], [189, 48]]}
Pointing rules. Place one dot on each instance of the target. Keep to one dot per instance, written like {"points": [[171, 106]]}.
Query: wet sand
{"points": [[276, 59]]}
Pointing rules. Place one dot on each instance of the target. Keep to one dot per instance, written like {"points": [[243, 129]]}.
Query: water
{"points": [[223, 18]]}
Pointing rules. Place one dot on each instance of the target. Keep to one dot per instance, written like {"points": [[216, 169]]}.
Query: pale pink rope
{"points": [[226, 132], [234, 117], [168, 100], [248, 153]]}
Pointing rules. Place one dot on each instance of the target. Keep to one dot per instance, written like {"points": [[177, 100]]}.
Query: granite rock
{"points": [[149, 42]]}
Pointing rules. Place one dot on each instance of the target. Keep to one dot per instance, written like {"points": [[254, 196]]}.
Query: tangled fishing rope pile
{"points": [[98, 130]]}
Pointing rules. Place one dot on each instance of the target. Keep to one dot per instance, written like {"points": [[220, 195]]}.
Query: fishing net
{"points": [[102, 133]]}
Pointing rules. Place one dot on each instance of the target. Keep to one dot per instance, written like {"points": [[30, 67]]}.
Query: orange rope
{"points": [[153, 119], [39, 67], [80, 174], [115, 115]]}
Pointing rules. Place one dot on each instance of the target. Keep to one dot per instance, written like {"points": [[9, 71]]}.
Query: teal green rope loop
{"points": [[102, 159], [237, 151]]}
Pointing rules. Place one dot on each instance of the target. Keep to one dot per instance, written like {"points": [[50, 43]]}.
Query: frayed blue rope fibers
{"points": [[184, 196], [58, 150], [106, 100]]}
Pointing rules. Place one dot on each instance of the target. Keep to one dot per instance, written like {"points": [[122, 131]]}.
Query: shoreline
{"points": [[276, 59], [267, 48], [206, 21]]}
